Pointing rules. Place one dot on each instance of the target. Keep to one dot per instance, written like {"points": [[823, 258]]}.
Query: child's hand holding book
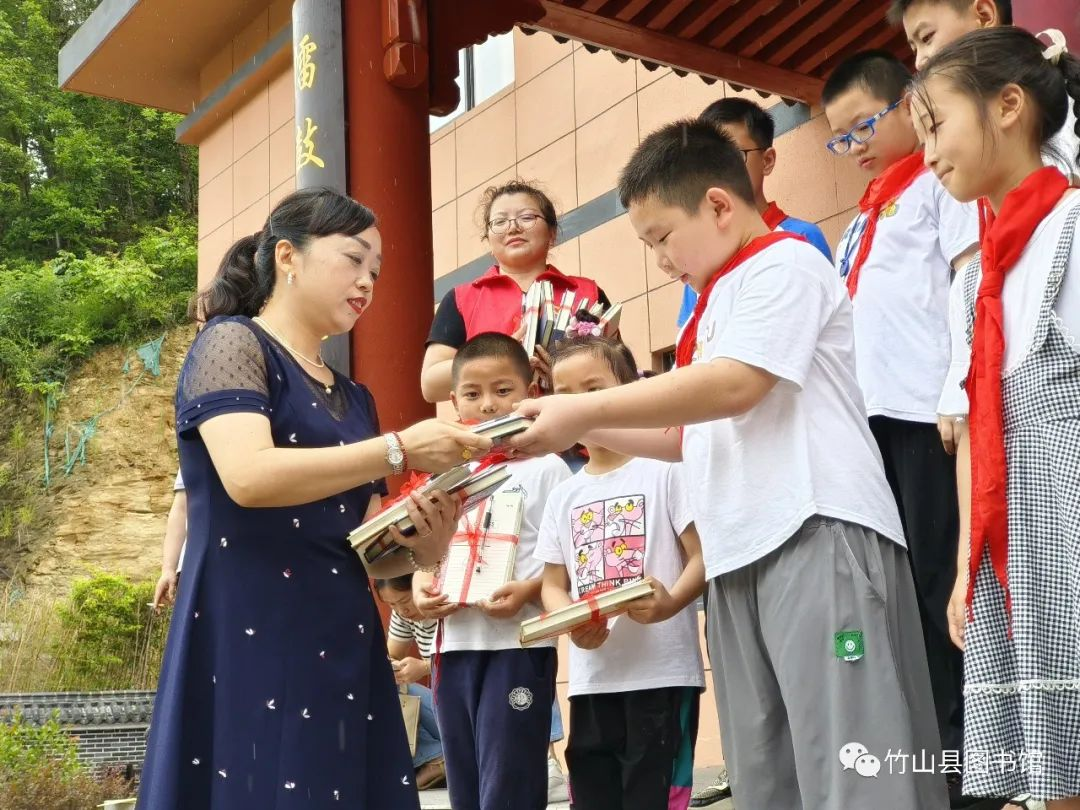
{"points": [[592, 635], [659, 606], [431, 603], [509, 599]]}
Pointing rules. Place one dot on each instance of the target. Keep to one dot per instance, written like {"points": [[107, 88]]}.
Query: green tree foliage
{"points": [[39, 769], [77, 173], [110, 636], [56, 312]]}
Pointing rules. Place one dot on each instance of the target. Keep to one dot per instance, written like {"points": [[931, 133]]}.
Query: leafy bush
{"points": [[39, 769], [110, 638], [54, 313], [101, 636], [24, 747]]}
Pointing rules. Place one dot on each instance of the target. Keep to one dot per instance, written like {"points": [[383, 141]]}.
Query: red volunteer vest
{"points": [[492, 303]]}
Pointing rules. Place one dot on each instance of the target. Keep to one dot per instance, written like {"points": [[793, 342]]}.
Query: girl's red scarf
{"points": [[684, 352], [773, 216], [880, 194], [1002, 239]]}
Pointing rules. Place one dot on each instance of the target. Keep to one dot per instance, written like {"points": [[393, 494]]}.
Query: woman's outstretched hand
{"points": [[435, 445]]}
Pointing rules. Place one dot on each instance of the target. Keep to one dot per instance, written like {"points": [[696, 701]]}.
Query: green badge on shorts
{"points": [[848, 645]]}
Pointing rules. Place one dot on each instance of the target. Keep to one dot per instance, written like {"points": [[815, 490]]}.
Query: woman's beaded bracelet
{"points": [[423, 569]]}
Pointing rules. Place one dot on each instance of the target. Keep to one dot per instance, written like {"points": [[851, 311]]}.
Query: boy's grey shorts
{"points": [[802, 728]]}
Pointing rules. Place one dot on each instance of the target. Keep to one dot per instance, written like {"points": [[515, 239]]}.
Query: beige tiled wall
{"points": [[247, 163], [570, 121]]}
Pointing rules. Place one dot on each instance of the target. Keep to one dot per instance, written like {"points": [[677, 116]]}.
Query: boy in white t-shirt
{"points": [[930, 25], [813, 628], [492, 698], [897, 259], [635, 680]]}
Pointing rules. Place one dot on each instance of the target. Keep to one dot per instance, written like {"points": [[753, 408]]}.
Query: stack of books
{"points": [[372, 540], [471, 482], [502, 428], [581, 612], [546, 321]]}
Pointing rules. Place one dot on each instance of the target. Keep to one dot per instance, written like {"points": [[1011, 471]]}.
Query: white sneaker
{"points": [[557, 791]]}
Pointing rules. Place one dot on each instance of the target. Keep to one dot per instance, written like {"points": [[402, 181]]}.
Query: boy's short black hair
{"points": [[899, 8], [488, 345], [735, 110], [878, 72], [679, 162]]}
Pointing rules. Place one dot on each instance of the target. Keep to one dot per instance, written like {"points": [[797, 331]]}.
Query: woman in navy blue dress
{"points": [[276, 691]]}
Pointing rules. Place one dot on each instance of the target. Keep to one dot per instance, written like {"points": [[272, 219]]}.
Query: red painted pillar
{"points": [[1038, 15], [389, 169]]}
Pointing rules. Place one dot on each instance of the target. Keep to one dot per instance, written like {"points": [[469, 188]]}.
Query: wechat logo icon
{"points": [[855, 756]]}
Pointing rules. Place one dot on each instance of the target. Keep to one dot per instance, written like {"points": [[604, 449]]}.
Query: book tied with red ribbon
{"points": [[482, 554], [597, 605], [372, 540]]}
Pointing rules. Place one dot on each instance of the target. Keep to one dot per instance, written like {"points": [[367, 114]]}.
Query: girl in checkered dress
{"points": [[1016, 326]]}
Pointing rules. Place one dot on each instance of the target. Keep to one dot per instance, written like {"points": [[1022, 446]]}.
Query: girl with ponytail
{"points": [[986, 107], [275, 688]]}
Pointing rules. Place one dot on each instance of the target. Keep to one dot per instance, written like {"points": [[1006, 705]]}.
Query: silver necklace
{"points": [[317, 363]]}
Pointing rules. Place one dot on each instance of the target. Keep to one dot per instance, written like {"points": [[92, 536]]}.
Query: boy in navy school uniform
{"points": [[817, 653], [492, 697], [753, 131], [897, 259]]}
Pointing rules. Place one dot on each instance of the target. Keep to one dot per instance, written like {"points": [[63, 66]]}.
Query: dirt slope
{"points": [[109, 514]]}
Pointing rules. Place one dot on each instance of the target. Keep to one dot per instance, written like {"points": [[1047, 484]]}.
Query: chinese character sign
{"points": [[305, 64], [305, 145], [319, 96]]}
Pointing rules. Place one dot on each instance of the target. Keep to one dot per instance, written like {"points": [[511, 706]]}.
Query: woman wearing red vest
{"points": [[520, 226]]}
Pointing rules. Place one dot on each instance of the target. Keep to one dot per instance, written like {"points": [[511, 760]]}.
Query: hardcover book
{"points": [[372, 540], [482, 554], [581, 612]]}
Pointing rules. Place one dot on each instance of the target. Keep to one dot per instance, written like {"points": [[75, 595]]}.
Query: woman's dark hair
{"points": [[612, 351], [981, 63], [542, 200], [245, 277], [402, 583]]}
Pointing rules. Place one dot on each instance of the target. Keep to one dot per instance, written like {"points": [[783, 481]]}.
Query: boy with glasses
{"points": [[753, 131], [897, 260]]}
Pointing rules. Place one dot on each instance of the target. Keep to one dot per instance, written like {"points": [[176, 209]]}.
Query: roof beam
{"points": [[825, 21], [733, 25], [703, 16], [668, 12], [824, 45], [654, 46], [631, 9], [767, 28], [882, 36]]}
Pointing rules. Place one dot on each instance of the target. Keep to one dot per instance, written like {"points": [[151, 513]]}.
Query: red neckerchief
{"points": [[684, 352], [773, 216], [881, 193], [1002, 240]]}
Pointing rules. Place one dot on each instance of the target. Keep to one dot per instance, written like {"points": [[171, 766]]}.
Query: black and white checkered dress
{"points": [[1022, 694]]}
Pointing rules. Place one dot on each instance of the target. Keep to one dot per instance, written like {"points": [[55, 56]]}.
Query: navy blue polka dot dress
{"points": [[275, 691]]}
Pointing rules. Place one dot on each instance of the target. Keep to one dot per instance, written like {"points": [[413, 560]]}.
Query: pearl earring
{"points": [[290, 278]]}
